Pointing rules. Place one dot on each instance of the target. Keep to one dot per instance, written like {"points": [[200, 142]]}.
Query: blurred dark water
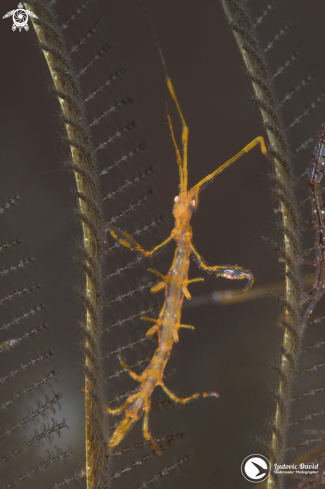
{"points": [[230, 349]]}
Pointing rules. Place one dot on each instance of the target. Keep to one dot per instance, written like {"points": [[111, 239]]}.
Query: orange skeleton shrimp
{"points": [[175, 284]]}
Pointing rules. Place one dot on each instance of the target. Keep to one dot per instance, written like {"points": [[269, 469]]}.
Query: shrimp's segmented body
{"points": [[315, 175], [175, 284], [167, 325]]}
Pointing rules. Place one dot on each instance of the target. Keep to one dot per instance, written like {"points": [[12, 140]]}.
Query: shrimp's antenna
{"points": [[153, 32], [183, 168]]}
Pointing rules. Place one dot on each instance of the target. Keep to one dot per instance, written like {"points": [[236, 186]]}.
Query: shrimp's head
{"points": [[184, 204]]}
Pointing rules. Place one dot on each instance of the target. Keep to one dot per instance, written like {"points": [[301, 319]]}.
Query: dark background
{"points": [[231, 347]]}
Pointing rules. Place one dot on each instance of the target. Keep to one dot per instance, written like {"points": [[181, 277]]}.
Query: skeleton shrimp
{"points": [[175, 284], [315, 175]]}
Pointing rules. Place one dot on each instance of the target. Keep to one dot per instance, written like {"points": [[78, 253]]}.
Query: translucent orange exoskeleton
{"points": [[175, 284]]}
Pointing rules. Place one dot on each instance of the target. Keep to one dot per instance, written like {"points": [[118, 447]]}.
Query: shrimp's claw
{"points": [[232, 272], [122, 237], [210, 394], [249, 284], [236, 273]]}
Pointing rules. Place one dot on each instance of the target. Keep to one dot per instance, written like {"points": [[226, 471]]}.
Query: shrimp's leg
{"points": [[175, 335], [175, 331], [117, 411], [122, 408], [186, 326], [160, 275], [160, 285], [176, 328], [185, 289], [259, 140], [127, 241], [232, 272], [153, 320], [134, 376], [184, 400], [157, 287], [146, 433], [186, 292], [154, 328], [198, 279]]}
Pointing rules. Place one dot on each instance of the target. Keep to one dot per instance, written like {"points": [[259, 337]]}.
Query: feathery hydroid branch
{"points": [[257, 72], [66, 88]]}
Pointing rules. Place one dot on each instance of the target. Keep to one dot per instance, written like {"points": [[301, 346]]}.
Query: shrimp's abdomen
{"points": [[131, 416]]}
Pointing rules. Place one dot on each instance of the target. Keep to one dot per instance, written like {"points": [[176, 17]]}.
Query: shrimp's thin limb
{"points": [[157, 287], [160, 285], [184, 400], [231, 272], [145, 429], [160, 275], [153, 320], [198, 279], [186, 326], [259, 140], [183, 182], [126, 240], [175, 331], [116, 412], [163, 277], [134, 376], [154, 328], [185, 289], [186, 292]]}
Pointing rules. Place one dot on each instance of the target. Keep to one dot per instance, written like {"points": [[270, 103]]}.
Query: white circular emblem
{"points": [[255, 468], [20, 19]]}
